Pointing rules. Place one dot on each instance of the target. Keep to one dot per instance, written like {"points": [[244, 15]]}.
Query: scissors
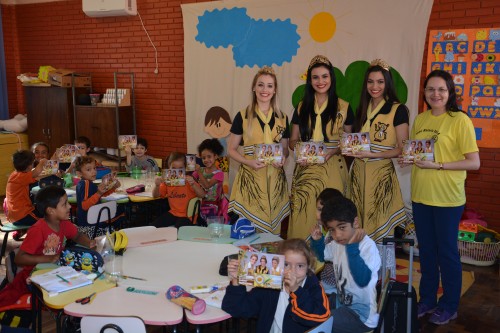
{"points": [[86, 300]]}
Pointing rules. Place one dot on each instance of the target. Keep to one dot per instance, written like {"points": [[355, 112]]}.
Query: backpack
{"points": [[81, 258], [18, 314]]}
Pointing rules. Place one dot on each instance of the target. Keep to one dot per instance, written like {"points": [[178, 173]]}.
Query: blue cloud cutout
{"points": [[255, 42]]}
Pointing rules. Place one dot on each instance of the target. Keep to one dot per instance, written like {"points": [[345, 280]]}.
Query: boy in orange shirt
{"points": [[20, 209], [178, 196]]}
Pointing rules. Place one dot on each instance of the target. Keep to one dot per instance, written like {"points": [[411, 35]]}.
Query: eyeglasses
{"points": [[433, 90]]}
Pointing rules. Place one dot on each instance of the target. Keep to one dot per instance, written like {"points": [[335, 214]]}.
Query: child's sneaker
{"points": [[423, 309], [442, 317]]}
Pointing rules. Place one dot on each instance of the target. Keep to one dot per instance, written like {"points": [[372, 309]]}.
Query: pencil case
{"points": [[136, 189]]}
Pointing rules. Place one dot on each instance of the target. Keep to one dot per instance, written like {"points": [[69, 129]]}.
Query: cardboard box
{"points": [[63, 77]]}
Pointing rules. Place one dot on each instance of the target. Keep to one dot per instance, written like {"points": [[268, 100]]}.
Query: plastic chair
{"points": [[94, 324], [159, 162], [95, 212], [6, 229], [324, 327], [193, 209]]}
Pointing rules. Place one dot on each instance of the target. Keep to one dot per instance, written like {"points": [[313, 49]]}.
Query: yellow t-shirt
{"points": [[454, 136]]}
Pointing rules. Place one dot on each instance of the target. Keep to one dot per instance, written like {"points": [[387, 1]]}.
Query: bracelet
{"points": [[440, 166]]}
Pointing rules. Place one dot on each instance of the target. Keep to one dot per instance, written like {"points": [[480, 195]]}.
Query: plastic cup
{"points": [[215, 226]]}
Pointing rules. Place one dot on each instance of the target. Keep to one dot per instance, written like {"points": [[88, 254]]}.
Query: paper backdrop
{"points": [[472, 56], [225, 42]]}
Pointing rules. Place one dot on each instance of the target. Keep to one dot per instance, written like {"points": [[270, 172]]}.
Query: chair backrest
{"points": [[193, 207], [93, 214], [324, 327], [99, 324], [159, 162]]}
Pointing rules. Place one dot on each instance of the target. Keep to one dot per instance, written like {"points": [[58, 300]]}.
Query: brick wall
{"points": [[59, 34]]}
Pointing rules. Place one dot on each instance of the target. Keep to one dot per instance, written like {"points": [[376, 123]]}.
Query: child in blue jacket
{"points": [[299, 306]]}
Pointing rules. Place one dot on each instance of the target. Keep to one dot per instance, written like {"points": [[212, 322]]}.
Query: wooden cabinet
{"points": [[103, 124], [50, 116]]}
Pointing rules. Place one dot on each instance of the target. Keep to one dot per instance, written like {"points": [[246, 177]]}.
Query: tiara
{"points": [[381, 63], [319, 59], [267, 70]]}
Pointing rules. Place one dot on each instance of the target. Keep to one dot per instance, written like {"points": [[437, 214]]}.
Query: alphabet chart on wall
{"points": [[472, 56]]}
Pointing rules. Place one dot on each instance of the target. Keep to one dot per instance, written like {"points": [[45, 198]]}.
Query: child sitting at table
{"points": [[178, 196], [41, 150], [84, 146], [20, 209], [140, 159], [300, 305], [210, 177], [89, 194], [45, 240]]}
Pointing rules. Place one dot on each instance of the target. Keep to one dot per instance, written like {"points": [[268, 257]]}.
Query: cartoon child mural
{"points": [[218, 125]]}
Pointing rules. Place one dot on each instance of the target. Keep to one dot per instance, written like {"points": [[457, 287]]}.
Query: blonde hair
{"points": [[175, 156], [251, 108], [299, 245]]}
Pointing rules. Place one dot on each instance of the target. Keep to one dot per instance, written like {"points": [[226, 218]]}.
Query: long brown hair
{"points": [[251, 108]]}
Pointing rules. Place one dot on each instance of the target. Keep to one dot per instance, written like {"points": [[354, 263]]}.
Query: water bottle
{"points": [[113, 266]]}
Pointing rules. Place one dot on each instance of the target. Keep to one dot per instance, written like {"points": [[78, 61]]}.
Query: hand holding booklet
{"points": [[61, 279], [260, 269]]}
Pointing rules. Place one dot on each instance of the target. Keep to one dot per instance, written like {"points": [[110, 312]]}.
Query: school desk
{"points": [[58, 302], [162, 265]]}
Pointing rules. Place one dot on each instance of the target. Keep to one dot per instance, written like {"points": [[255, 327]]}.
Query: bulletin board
{"points": [[472, 56]]}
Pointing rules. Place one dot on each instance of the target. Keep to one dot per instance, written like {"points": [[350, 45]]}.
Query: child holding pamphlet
{"points": [[89, 194], [178, 196], [45, 240], [300, 305], [209, 176], [140, 159], [20, 209]]}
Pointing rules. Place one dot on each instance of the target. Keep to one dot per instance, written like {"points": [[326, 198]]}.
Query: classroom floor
{"points": [[479, 308]]}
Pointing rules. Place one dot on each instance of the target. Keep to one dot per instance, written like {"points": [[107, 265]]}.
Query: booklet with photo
{"points": [[109, 180], [310, 152], [127, 140], [67, 153], [61, 279], [50, 168], [260, 269], [415, 150], [269, 153], [354, 142], [190, 162], [174, 177]]}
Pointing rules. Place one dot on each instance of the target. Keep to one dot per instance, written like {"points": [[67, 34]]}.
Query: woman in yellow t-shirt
{"points": [[438, 195]]}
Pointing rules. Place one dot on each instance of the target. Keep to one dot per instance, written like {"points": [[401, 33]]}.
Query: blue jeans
{"points": [[437, 234]]}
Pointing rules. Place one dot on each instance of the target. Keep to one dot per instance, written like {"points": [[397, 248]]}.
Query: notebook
{"points": [[61, 279]]}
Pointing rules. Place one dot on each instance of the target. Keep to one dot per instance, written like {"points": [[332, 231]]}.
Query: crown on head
{"points": [[267, 70], [381, 63], [319, 59]]}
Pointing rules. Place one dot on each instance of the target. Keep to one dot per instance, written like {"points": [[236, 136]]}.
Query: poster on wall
{"points": [[472, 56]]}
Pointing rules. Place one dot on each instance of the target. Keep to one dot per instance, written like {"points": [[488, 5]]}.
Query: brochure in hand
{"points": [[259, 269], [418, 150], [127, 140], [174, 177], [109, 180], [310, 152], [61, 279], [269, 153], [50, 168], [67, 153], [354, 142]]}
